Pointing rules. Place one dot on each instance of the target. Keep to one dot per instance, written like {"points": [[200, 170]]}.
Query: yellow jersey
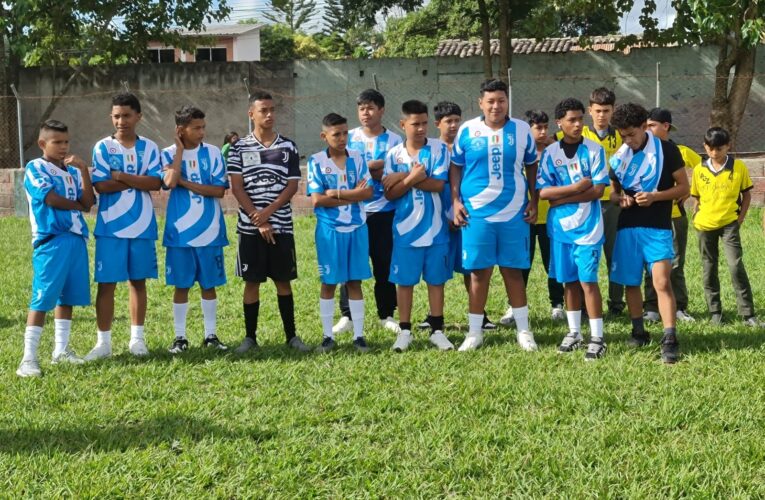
{"points": [[691, 159], [611, 142], [719, 193]]}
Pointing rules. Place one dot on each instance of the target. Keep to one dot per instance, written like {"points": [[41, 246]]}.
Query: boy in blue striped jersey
{"points": [[58, 190], [415, 174], [195, 232], [572, 175], [338, 184], [125, 170]]}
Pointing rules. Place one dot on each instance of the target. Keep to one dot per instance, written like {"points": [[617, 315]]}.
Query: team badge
{"points": [[510, 140], [328, 170]]}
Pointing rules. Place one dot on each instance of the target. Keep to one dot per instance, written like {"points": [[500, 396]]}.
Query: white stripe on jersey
{"points": [[142, 223]]}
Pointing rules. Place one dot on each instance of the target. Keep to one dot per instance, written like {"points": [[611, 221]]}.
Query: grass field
{"points": [[496, 422]]}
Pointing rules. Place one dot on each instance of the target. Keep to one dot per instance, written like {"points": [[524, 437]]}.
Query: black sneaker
{"points": [[716, 319], [180, 344], [570, 343], [670, 348], [360, 344], [212, 341], [487, 324], [595, 349], [425, 323], [326, 345], [639, 340]]}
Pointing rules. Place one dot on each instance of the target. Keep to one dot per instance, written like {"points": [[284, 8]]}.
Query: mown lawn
{"points": [[497, 422]]}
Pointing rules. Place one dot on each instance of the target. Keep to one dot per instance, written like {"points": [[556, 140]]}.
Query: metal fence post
{"points": [[658, 85], [19, 125]]}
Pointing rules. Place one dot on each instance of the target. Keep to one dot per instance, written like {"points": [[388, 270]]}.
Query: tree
{"points": [[277, 43], [296, 14]]}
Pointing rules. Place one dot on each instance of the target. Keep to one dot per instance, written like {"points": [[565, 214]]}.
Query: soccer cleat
{"points": [[247, 344], [472, 342], [297, 344], [683, 315], [214, 342], [100, 351], [716, 319], [390, 324], [527, 342], [752, 322], [507, 319], [570, 342], [360, 344], [595, 349], [487, 324], [402, 341], [651, 316], [29, 368], [138, 348], [67, 356], [425, 323], [180, 344], [670, 349], [343, 325], [439, 340], [327, 344], [638, 339], [557, 313]]}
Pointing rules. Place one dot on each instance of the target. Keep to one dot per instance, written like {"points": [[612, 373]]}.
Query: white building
{"points": [[233, 42]]}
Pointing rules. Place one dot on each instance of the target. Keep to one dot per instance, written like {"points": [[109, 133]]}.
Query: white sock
{"points": [[61, 331], [31, 341], [210, 315], [179, 319], [596, 327], [574, 321], [136, 333], [475, 324], [327, 313], [521, 315], [357, 313], [104, 337]]}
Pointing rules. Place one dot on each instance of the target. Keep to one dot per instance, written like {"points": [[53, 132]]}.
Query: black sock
{"points": [[405, 326], [436, 323], [670, 331], [251, 319], [287, 312], [637, 326]]}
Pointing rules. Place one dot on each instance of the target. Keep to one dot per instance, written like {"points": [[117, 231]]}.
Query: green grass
{"points": [[497, 422]]}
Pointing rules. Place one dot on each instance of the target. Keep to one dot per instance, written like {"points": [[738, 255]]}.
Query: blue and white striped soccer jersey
{"points": [[342, 242], [494, 191], [60, 256], [126, 228], [374, 148], [575, 229], [195, 231], [420, 231]]}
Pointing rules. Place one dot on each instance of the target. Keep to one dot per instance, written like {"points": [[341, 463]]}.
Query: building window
{"points": [[161, 55], [211, 54]]}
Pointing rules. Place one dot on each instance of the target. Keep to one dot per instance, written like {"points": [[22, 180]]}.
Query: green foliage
{"points": [[277, 43], [296, 14]]}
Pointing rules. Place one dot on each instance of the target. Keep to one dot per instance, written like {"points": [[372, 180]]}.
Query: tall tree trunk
{"points": [[505, 48], [483, 14], [730, 98]]}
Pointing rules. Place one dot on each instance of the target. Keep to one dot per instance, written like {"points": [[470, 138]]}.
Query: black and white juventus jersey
{"points": [[265, 172]]}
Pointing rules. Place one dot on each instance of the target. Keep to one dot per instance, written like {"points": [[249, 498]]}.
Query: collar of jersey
{"points": [[137, 138], [728, 165], [483, 120], [327, 153], [276, 139]]}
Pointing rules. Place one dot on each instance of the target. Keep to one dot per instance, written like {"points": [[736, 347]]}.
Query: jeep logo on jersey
{"points": [[496, 162]]}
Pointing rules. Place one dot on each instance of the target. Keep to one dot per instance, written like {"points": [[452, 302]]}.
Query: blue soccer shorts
{"points": [[488, 244], [570, 262], [61, 274], [409, 264], [636, 249], [455, 251], [122, 259], [342, 256], [186, 265]]}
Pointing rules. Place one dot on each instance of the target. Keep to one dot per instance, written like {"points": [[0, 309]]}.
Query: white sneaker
{"points": [[472, 342], [507, 319], [138, 348], [344, 325], [651, 316], [558, 314], [67, 357], [684, 316], [29, 368], [100, 351], [402, 341], [526, 341], [390, 324], [439, 340]]}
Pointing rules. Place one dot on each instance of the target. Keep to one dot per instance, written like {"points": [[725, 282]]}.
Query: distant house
{"points": [[468, 48], [234, 42]]}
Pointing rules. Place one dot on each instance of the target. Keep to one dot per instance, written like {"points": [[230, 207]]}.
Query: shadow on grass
{"points": [[173, 431]]}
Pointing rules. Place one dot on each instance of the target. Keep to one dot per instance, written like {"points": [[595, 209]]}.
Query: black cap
{"points": [[661, 115]]}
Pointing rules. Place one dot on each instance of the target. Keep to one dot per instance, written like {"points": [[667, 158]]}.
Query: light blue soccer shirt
{"points": [[419, 219], [323, 175], [42, 177], [128, 213], [579, 223], [194, 220], [374, 148], [494, 186]]}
